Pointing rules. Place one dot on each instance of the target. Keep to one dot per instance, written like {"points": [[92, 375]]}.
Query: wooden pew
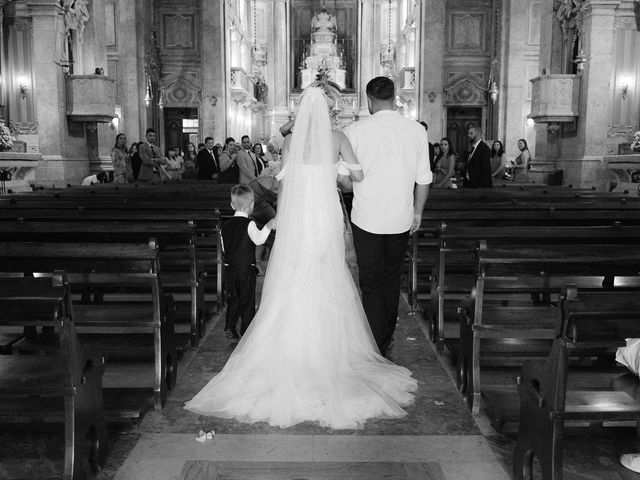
{"points": [[65, 384], [138, 325], [176, 241], [556, 390], [452, 274], [506, 334]]}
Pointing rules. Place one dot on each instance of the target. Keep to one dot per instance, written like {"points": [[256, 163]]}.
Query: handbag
{"points": [[230, 175]]}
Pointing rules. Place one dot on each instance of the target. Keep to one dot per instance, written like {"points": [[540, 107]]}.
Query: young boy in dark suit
{"points": [[240, 235]]}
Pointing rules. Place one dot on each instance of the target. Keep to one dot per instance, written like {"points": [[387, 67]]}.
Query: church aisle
{"points": [[438, 439]]}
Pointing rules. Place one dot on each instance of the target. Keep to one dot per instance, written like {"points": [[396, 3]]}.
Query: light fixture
{"points": [[65, 65], [22, 86], [580, 61], [492, 86], [147, 97], [161, 99], [258, 55], [494, 92], [388, 56]]}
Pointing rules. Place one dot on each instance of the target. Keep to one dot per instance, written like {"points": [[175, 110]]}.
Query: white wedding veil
{"points": [[309, 214]]}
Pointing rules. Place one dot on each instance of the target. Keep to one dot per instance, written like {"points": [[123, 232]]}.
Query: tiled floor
{"points": [[438, 439]]}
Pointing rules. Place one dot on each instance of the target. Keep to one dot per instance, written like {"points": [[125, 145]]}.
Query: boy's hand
{"points": [[271, 224]]}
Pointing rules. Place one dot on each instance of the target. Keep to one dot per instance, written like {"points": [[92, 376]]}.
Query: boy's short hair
{"points": [[241, 196]]}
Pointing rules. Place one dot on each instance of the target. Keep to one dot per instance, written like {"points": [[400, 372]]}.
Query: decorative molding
{"points": [[467, 32], [465, 89], [152, 60], [22, 24], [178, 31], [625, 23], [182, 89], [23, 128], [625, 131]]}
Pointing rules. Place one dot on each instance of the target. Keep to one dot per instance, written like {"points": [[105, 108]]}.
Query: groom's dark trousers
{"points": [[380, 260]]}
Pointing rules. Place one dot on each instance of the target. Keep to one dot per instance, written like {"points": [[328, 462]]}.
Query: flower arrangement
{"points": [[6, 139], [635, 145]]}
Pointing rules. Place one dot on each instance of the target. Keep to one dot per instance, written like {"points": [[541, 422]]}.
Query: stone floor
{"points": [[438, 439]]}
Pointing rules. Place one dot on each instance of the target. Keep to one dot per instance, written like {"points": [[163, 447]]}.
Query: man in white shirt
{"points": [[387, 203]]}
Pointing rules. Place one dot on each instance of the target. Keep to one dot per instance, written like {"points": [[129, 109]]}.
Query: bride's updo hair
{"points": [[381, 88]]}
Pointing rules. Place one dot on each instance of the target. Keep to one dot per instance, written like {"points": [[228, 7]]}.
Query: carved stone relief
{"points": [[178, 31], [467, 32], [76, 16], [464, 89], [182, 89], [22, 24]]}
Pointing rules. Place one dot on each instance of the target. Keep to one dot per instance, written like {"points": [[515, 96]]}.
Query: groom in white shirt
{"points": [[387, 203]]}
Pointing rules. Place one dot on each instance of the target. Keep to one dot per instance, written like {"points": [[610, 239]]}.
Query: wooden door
{"points": [[459, 120]]}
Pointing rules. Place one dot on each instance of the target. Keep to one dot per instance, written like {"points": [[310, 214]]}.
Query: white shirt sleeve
{"points": [[257, 236], [281, 174]]}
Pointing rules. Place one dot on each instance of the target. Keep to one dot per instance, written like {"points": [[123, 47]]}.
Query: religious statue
{"points": [[569, 13], [76, 16]]}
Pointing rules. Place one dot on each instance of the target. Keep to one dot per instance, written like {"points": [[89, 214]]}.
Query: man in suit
{"points": [[247, 161], [208, 167], [477, 171], [150, 159], [432, 150]]}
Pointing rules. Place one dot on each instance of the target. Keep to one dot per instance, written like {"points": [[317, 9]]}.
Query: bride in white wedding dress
{"points": [[308, 354]]}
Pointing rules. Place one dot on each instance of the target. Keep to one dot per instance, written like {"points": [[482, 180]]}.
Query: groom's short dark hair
{"points": [[381, 88]]}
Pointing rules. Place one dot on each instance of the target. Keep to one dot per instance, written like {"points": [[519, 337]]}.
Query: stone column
{"points": [[131, 81], [281, 80], [366, 57], [581, 157], [213, 121], [48, 37], [431, 35]]}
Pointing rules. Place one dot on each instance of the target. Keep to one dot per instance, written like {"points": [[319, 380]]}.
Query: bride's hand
{"points": [[271, 224]]}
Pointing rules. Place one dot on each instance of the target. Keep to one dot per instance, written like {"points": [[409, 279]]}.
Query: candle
{"points": [[292, 105], [354, 104]]}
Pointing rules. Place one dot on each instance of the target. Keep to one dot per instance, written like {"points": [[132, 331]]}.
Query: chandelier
{"points": [[388, 55], [258, 55]]}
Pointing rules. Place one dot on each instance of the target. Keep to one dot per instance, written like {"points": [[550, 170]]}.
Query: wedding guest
{"points": [[151, 159], [259, 153], [498, 161], [445, 165], [122, 172], [190, 168], [200, 147], [208, 167], [436, 149], [174, 164], [134, 158], [240, 235], [522, 163], [477, 170], [100, 177], [432, 147], [229, 171]]}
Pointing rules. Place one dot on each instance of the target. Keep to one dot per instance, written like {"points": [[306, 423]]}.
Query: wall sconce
{"points": [[580, 61], [624, 89], [65, 65], [22, 86], [494, 92], [161, 100]]}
